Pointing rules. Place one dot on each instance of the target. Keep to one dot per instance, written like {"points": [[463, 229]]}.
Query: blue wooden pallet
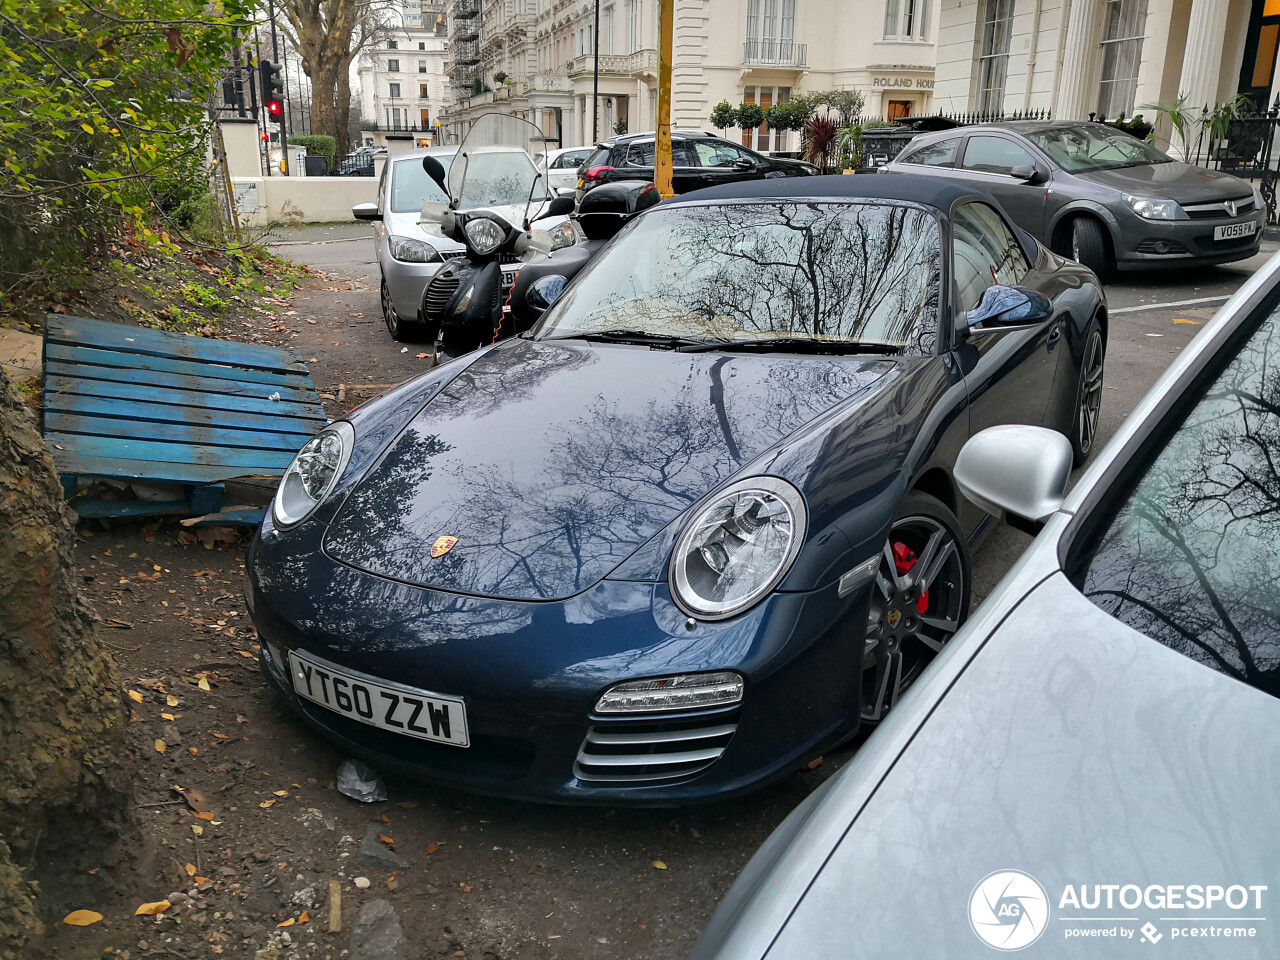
{"points": [[131, 404]]}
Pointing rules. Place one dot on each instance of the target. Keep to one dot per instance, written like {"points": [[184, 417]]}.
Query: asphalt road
{"points": [[631, 909]]}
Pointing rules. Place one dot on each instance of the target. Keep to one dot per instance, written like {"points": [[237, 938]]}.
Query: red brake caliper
{"points": [[904, 558]]}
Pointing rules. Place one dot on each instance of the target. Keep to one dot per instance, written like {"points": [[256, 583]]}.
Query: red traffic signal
{"points": [[275, 110], [264, 136], [272, 82]]}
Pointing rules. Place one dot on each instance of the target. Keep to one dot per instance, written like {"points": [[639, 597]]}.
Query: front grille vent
{"points": [[439, 292], [1218, 210], [635, 751]]}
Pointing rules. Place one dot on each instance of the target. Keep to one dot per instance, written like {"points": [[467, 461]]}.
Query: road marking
{"points": [[1171, 303]]}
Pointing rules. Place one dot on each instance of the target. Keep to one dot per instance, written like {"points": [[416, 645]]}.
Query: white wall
{"points": [[263, 200]]}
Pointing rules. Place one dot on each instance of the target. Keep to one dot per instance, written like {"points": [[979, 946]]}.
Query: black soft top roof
{"points": [[937, 192]]}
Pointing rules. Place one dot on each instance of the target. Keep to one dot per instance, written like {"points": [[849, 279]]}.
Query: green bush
{"points": [[723, 116], [749, 116], [318, 145]]}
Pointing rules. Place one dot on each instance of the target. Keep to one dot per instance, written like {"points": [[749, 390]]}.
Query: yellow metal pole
{"points": [[662, 149]]}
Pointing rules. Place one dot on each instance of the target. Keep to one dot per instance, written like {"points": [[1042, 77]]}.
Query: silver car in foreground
{"points": [[1091, 767]]}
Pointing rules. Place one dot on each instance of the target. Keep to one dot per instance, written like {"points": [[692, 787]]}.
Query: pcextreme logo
{"points": [[1008, 910]]}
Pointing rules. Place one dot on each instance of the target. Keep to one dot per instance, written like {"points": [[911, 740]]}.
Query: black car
{"points": [[1098, 195], [699, 160]]}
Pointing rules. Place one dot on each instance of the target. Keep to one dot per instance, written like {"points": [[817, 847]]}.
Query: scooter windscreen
{"points": [[494, 170]]}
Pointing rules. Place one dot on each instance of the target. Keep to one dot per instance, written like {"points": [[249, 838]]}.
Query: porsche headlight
{"points": [[563, 236], [737, 548], [484, 235], [312, 474], [409, 250]]}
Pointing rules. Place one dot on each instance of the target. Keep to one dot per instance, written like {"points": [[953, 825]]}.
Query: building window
{"points": [[1123, 24], [606, 29], [422, 92], [906, 19], [422, 45], [771, 31], [762, 138], [395, 91], [422, 66], [392, 45], [993, 55], [393, 66], [633, 26]]}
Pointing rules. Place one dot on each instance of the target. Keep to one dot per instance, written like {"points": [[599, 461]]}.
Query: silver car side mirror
{"points": [[1017, 472]]}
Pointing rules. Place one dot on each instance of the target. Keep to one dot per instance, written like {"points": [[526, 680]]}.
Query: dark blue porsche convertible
{"points": [[699, 524]]}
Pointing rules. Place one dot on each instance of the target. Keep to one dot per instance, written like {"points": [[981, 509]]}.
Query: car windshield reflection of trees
{"points": [[1191, 558], [861, 272]]}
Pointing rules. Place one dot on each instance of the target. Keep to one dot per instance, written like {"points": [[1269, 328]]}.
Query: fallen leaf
{"points": [[171, 700], [286, 923], [658, 865], [385, 839], [384, 818], [168, 716], [240, 719], [245, 653], [220, 736], [281, 793], [191, 869], [202, 815], [135, 696], [421, 356], [193, 750], [432, 847], [156, 567], [815, 764], [266, 803], [199, 880], [305, 917], [82, 918], [408, 804], [197, 829], [203, 684], [160, 748], [195, 799], [152, 909]]}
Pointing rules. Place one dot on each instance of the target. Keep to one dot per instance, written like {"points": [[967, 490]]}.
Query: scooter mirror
{"points": [[435, 170], [558, 207]]}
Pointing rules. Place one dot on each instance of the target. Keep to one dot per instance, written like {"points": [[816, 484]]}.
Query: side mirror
{"points": [[366, 211], [1028, 174], [743, 164], [559, 207], [1009, 307], [1015, 471], [435, 170]]}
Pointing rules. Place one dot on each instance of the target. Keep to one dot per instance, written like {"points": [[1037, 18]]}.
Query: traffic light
{"points": [[272, 84]]}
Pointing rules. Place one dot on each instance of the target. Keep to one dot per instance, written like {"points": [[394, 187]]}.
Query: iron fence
{"points": [[1242, 145]]}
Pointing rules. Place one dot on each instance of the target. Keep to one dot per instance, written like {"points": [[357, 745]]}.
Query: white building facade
{"points": [[535, 58], [404, 88], [1112, 58]]}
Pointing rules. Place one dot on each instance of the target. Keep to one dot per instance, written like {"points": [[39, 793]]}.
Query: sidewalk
{"points": [[318, 233]]}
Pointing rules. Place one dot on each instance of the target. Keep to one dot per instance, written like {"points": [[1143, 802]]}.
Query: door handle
{"points": [[1054, 336]]}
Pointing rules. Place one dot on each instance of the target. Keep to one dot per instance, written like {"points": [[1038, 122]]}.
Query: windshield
{"points": [[494, 164], [1092, 146], [411, 187], [850, 272]]}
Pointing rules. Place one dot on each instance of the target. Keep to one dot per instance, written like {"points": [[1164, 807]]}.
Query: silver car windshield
{"points": [[1083, 147], [411, 187], [852, 272], [1190, 557]]}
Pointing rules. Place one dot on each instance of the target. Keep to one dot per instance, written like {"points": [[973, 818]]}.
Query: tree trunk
{"points": [[64, 772], [344, 104], [324, 114]]}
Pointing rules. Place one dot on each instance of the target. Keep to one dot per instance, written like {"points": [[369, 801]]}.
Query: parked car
{"points": [[408, 256], [698, 160], [561, 167], [1098, 195], [1108, 716], [360, 162], [699, 525]]}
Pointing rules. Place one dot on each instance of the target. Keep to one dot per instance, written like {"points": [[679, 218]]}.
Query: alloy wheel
{"points": [[916, 606], [389, 315], [1090, 392]]}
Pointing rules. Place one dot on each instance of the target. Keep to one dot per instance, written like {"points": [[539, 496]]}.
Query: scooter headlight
{"points": [[484, 235]]}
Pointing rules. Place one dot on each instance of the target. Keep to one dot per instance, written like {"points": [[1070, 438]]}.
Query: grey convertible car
{"points": [[1097, 195], [1091, 767]]}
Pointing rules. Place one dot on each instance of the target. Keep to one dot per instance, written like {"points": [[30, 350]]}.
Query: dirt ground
{"points": [[251, 854]]}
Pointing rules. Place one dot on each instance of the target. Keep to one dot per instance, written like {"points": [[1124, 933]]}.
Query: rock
{"points": [[374, 852], [376, 934], [362, 883], [306, 897]]}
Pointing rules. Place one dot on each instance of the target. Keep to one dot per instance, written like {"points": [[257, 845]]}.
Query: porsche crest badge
{"points": [[443, 545]]}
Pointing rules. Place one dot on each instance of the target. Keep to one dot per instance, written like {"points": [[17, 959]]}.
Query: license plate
{"points": [[404, 710], [1230, 231]]}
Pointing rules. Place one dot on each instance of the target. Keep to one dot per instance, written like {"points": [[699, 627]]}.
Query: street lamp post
{"points": [[595, 82]]}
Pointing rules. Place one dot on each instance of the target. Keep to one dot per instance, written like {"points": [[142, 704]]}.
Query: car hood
{"points": [[1074, 749], [1175, 181], [551, 462]]}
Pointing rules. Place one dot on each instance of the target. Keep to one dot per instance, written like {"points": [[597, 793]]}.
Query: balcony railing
{"points": [[465, 30], [466, 52], [466, 9], [549, 82], [616, 64], [775, 53]]}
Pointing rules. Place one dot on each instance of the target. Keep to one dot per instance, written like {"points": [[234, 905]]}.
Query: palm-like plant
{"points": [[849, 144], [819, 141], [1180, 118]]}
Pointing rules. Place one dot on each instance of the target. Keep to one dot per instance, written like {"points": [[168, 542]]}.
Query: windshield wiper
{"points": [[670, 341], [792, 345]]}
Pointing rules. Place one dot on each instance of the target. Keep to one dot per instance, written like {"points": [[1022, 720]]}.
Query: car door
{"points": [[379, 226], [1009, 373], [686, 174], [722, 162], [935, 159], [988, 162]]}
